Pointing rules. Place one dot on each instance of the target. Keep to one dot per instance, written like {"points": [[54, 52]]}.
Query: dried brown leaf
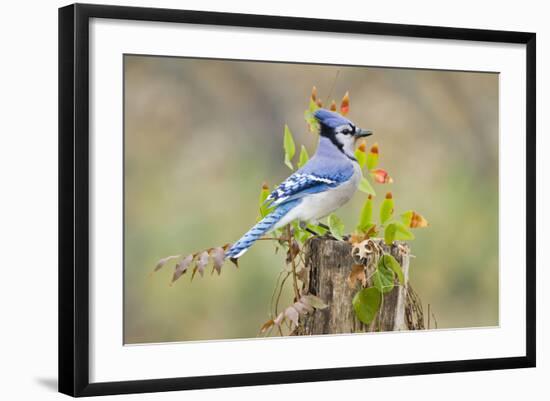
{"points": [[181, 267], [356, 238], [218, 257], [293, 251], [357, 274], [292, 314], [362, 250], [314, 93], [165, 260], [313, 301], [302, 274], [418, 221], [267, 325], [371, 233], [279, 319], [302, 308], [202, 261], [344, 106]]}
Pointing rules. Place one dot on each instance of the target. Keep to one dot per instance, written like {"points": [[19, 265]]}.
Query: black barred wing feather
{"points": [[299, 185]]}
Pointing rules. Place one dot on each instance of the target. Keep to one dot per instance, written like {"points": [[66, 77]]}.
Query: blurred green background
{"points": [[202, 135]]}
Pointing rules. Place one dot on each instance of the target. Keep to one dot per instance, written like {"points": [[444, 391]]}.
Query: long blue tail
{"points": [[262, 227]]}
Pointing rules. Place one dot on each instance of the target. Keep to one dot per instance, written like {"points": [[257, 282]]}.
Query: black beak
{"points": [[361, 133]]}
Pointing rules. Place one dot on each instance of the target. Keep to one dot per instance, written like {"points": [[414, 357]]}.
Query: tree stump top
{"points": [[329, 264]]}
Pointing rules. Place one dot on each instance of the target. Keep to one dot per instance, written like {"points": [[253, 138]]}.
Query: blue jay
{"points": [[326, 182]]}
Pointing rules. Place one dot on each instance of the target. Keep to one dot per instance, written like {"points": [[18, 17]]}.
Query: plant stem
{"points": [[272, 304], [279, 294], [293, 264], [380, 311]]}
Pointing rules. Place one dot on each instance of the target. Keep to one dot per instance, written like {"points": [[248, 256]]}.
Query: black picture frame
{"points": [[74, 198]]}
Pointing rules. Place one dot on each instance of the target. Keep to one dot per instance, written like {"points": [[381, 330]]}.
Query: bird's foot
{"points": [[303, 226], [323, 226], [327, 234]]}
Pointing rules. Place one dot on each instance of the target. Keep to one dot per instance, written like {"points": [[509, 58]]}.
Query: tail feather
{"points": [[256, 232]]}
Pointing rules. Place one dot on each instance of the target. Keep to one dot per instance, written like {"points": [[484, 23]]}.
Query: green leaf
{"points": [[318, 229], [312, 106], [386, 209], [406, 218], [366, 187], [366, 304], [402, 232], [396, 231], [383, 277], [264, 193], [372, 159], [310, 118], [290, 148], [300, 234], [389, 234], [336, 227], [411, 219], [296, 229], [264, 207], [304, 157], [304, 236], [361, 157], [390, 262], [365, 219]]}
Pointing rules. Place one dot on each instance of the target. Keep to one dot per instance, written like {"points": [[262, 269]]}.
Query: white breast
{"points": [[315, 207]]}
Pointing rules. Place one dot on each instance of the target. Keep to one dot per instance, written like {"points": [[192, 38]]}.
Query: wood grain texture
{"points": [[329, 263]]}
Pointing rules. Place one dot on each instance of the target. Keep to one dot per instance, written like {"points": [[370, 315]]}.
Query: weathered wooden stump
{"points": [[329, 264]]}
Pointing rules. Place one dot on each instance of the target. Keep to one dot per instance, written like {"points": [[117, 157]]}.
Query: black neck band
{"points": [[329, 134]]}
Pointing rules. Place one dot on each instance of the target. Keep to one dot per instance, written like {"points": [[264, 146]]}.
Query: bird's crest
{"points": [[330, 119]]}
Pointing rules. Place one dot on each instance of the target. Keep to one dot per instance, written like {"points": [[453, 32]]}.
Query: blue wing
{"points": [[298, 185], [304, 182]]}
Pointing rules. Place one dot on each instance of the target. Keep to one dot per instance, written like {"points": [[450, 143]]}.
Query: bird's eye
{"points": [[345, 130]]}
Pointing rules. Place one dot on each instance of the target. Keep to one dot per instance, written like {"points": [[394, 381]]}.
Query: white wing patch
{"points": [[319, 179], [294, 184]]}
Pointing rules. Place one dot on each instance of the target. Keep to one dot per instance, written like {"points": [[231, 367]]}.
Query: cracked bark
{"points": [[329, 264]]}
